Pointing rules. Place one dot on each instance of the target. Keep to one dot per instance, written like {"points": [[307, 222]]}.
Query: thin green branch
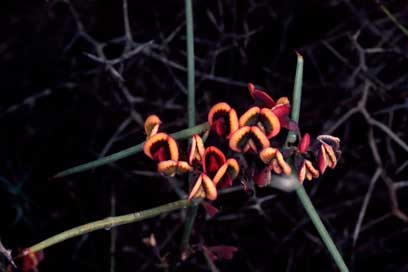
{"points": [[182, 134], [109, 223], [190, 63], [300, 191], [394, 19], [321, 229], [192, 210]]}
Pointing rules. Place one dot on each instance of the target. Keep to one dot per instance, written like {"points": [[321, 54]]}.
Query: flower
{"points": [[217, 170], [248, 139], [223, 119], [280, 108], [263, 118]]}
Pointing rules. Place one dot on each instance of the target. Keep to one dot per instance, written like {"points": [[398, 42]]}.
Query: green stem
{"points": [[190, 63], [300, 191], [192, 210], [394, 20], [182, 134], [317, 222], [108, 223]]}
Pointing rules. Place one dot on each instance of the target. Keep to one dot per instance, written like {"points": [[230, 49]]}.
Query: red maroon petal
{"points": [[304, 143], [261, 97]]}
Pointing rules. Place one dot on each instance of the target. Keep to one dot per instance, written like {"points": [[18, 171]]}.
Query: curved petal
{"points": [[264, 118], [170, 167], [283, 164], [312, 172], [203, 188], [151, 125], [269, 122], [223, 119], [248, 139], [250, 117], [304, 143], [214, 158], [260, 97], [268, 154], [196, 150], [161, 147], [227, 173]]}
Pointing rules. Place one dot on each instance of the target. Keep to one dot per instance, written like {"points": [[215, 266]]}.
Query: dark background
{"points": [[61, 107]]}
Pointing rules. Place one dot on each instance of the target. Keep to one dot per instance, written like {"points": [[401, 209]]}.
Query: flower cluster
{"points": [[254, 139]]}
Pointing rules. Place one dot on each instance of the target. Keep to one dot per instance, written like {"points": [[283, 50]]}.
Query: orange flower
{"points": [[274, 158], [280, 108], [248, 138], [264, 118], [203, 188], [151, 125], [223, 119], [308, 171], [161, 147], [197, 150]]}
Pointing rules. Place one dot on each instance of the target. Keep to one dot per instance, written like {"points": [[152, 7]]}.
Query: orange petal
{"points": [[282, 101], [263, 118], [197, 150], [170, 168], [227, 172], [311, 169], [203, 188], [161, 147], [233, 121], [267, 154], [260, 97], [248, 139], [332, 160], [218, 109], [283, 164], [223, 119], [259, 139], [151, 125], [239, 139], [209, 188], [197, 190], [270, 122], [214, 158], [250, 117]]}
